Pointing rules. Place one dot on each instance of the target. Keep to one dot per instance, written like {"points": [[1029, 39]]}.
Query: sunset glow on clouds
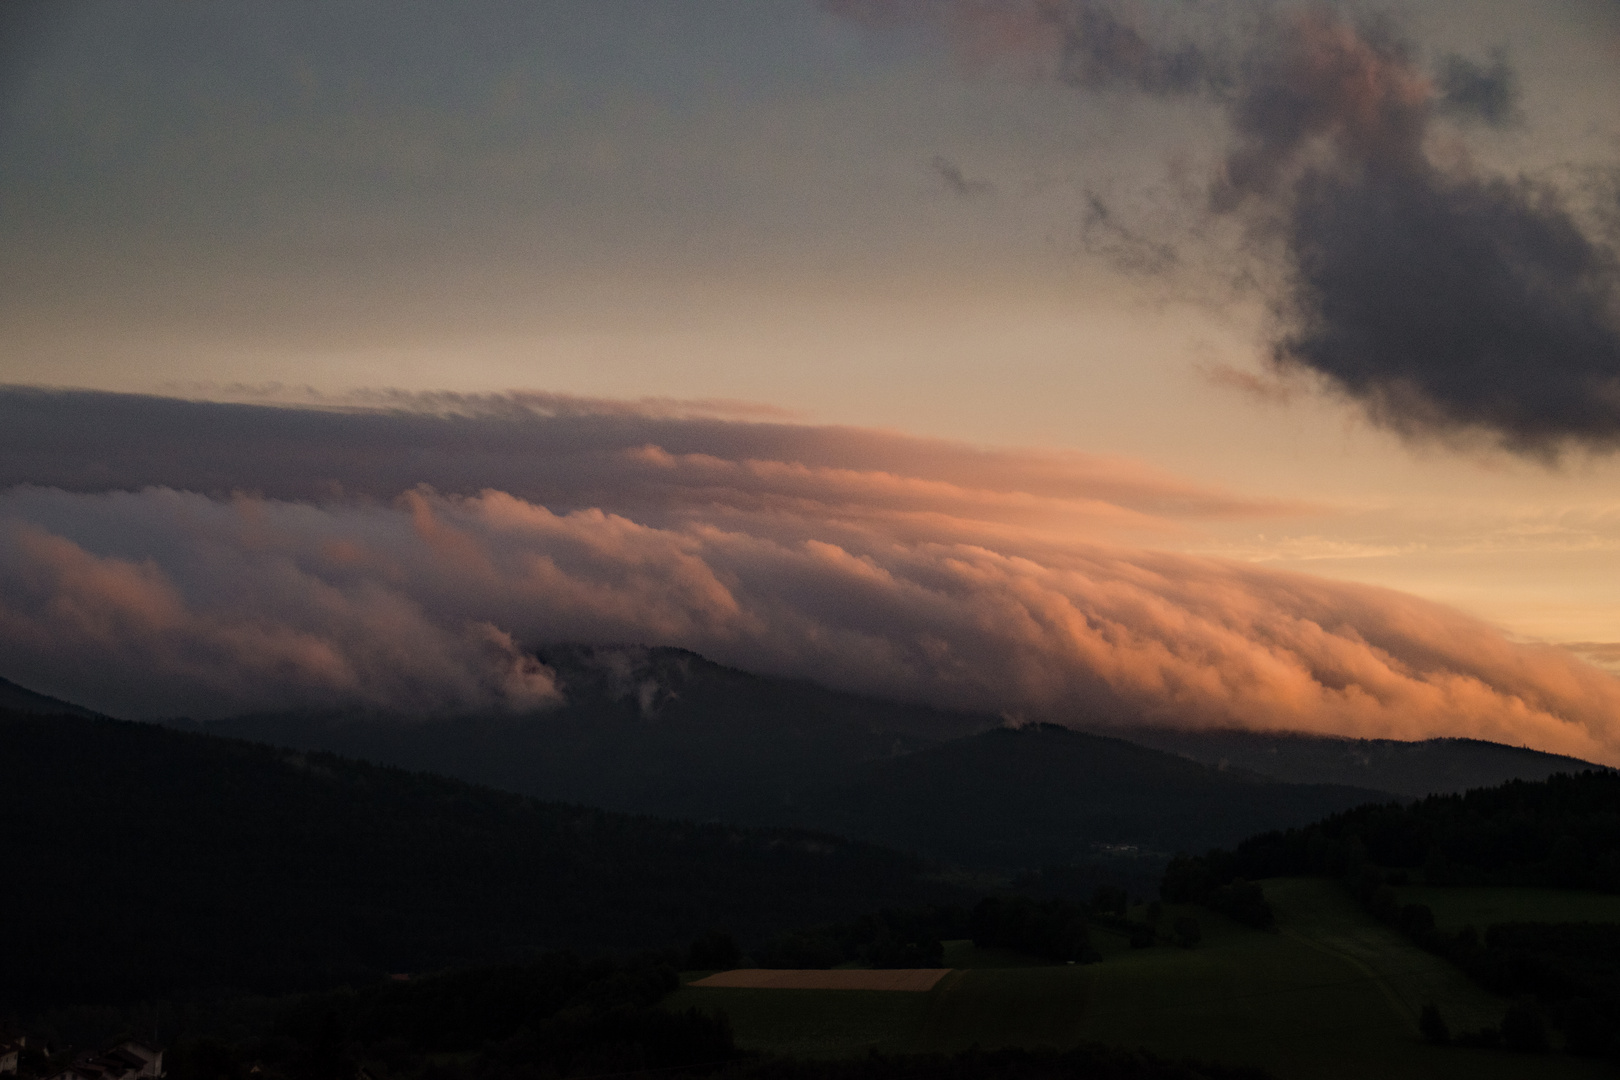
{"points": [[877, 576], [1103, 362]]}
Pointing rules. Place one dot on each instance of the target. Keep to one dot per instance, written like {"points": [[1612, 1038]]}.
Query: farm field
{"points": [[1456, 907], [1332, 994]]}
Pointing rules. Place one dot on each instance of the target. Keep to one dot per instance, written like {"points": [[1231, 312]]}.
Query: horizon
{"points": [[1235, 365]]}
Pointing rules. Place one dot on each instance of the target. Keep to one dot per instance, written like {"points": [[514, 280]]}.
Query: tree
{"points": [[1417, 921], [1523, 1028], [714, 951], [1110, 899], [1588, 1027], [1433, 1025]]}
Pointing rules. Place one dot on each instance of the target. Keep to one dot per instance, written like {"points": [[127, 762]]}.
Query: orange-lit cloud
{"points": [[905, 583]]}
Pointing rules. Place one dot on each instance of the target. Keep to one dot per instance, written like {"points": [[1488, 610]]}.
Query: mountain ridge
{"points": [[669, 733], [666, 732], [17, 698], [1412, 768]]}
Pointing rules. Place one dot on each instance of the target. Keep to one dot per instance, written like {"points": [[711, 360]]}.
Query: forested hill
{"points": [[16, 698], [664, 731], [1425, 767], [1045, 795], [1563, 831], [643, 730], [145, 862], [1558, 834]]}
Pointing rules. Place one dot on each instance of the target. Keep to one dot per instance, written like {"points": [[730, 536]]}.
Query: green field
{"points": [[1332, 994], [1455, 908]]}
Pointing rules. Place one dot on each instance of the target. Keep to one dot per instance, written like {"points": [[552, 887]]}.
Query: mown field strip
{"points": [[909, 980]]}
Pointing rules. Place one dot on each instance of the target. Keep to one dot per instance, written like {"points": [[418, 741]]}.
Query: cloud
{"points": [[661, 459], [1488, 93], [1103, 233], [240, 626], [1605, 654], [798, 551], [1444, 299], [958, 184]]}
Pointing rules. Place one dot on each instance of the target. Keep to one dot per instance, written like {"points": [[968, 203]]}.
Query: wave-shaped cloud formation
{"points": [[832, 554]]}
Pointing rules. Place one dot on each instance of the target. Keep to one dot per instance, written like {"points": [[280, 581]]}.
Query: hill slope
{"points": [[14, 698], [149, 862], [664, 731], [657, 731], [1046, 795], [1429, 767]]}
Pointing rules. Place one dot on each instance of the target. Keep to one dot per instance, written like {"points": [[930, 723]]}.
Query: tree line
{"points": [[1563, 832]]}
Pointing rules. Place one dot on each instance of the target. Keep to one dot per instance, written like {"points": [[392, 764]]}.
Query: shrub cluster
{"points": [[1054, 929], [1194, 881], [891, 938]]}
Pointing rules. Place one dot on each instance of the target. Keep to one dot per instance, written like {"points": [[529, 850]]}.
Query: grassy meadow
{"points": [[1332, 993]]}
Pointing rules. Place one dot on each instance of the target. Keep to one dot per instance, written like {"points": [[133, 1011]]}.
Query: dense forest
{"points": [[1563, 832], [155, 863]]}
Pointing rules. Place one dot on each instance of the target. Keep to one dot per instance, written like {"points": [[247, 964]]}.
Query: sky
{"points": [[1194, 362]]}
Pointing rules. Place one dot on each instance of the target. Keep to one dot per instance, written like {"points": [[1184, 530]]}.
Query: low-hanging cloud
{"points": [[656, 461], [1444, 299], [806, 552]]}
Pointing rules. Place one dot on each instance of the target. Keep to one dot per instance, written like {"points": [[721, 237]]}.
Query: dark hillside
{"points": [[16, 698], [145, 862], [653, 731], [664, 731], [1416, 769], [1045, 795], [1562, 832]]}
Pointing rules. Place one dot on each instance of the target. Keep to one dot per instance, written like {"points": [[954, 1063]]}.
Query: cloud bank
{"points": [[845, 556], [662, 459], [1443, 298]]}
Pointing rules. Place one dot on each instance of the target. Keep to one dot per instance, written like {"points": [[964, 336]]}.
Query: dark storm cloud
{"points": [[1484, 92], [1471, 304], [1102, 52], [1442, 298]]}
